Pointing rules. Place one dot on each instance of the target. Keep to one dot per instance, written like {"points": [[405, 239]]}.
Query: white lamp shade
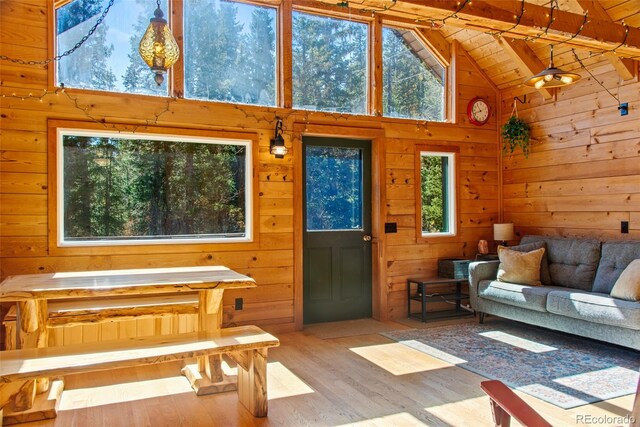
{"points": [[503, 232]]}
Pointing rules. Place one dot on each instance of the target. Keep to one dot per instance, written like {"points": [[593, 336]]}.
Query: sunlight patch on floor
{"points": [[403, 419], [281, 382], [458, 412], [584, 382], [124, 392], [399, 359], [516, 341]]}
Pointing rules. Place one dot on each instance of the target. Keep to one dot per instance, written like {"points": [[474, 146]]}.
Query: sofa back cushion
{"points": [[615, 258], [572, 262]]}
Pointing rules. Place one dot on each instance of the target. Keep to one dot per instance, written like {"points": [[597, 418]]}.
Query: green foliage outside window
{"points": [[435, 174], [126, 188]]}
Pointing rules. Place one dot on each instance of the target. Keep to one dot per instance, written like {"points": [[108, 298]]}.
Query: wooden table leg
{"points": [[207, 376], [28, 400]]}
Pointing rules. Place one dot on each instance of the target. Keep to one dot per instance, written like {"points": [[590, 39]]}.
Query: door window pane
{"points": [[334, 188], [437, 193], [329, 64], [413, 80], [109, 59], [230, 52]]}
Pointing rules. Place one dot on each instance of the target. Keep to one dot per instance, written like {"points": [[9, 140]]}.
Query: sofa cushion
{"points": [[544, 264], [615, 258], [595, 307], [531, 297], [519, 267], [627, 286], [572, 262]]}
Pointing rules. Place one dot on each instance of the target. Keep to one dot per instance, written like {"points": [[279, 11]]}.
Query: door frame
{"points": [[378, 212]]}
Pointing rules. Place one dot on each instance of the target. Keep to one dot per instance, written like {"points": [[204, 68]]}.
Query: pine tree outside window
{"points": [[119, 188], [413, 81], [329, 64], [230, 52]]}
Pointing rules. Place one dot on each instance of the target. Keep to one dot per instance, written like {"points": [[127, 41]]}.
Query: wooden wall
{"points": [[24, 216], [583, 175]]}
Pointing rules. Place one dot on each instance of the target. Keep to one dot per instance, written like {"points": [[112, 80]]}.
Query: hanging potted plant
{"points": [[515, 133]]}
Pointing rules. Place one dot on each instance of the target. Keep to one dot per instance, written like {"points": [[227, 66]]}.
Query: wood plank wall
{"points": [[583, 175], [24, 225]]}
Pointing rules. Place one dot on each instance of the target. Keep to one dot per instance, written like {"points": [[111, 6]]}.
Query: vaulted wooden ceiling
{"points": [[608, 34]]}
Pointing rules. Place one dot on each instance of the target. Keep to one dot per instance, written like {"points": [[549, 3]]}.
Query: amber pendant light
{"points": [[158, 48]]}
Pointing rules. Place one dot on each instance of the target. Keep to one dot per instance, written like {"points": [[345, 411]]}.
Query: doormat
{"points": [[561, 369]]}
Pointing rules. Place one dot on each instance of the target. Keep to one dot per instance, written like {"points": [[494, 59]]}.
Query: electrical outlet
{"points": [[239, 303], [624, 109], [624, 227]]}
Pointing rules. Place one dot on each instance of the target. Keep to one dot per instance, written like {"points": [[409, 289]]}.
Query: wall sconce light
{"points": [[277, 147], [158, 48], [552, 77], [502, 233]]}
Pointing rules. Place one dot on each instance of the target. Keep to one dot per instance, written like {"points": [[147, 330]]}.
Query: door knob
{"points": [[366, 238]]}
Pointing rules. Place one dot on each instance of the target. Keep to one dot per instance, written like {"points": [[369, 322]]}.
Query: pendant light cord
{"points": [[594, 77], [68, 52]]}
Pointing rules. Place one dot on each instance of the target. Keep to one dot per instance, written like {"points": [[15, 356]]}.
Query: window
{"points": [[436, 198], [230, 52], [412, 79], [329, 64], [336, 203], [109, 59], [118, 188]]}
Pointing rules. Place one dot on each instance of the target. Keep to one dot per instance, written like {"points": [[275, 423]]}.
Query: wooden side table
{"points": [[417, 291]]}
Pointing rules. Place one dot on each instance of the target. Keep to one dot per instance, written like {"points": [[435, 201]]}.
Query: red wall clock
{"points": [[478, 111]]}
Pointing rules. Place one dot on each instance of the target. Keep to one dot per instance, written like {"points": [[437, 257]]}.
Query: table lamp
{"points": [[502, 233]]}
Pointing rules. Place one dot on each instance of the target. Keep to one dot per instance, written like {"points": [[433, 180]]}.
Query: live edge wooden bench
{"points": [[246, 345]]}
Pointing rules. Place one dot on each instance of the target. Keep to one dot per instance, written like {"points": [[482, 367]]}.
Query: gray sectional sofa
{"points": [[577, 277]]}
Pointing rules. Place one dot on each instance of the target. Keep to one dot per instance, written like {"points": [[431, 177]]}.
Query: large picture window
{"points": [[412, 79], [437, 200], [115, 188], [329, 64], [109, 59]]}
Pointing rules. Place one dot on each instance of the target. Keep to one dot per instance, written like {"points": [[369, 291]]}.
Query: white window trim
{"points": [[451, 195], [61, 132]]}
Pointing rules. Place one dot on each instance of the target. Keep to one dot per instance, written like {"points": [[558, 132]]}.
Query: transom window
{"points": [[229, 51], [329, 64], [436, 198], [118, 188], [413, 80], [109, 59]]}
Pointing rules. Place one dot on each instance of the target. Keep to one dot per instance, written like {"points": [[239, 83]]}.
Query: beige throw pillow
{"points": [[628, 284], [522, 268]]}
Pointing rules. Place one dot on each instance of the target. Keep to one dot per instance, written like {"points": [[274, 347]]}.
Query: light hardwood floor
{"points": [[361, 380]]}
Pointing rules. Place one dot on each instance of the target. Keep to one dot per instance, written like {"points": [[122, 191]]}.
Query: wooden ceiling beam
{"points": [[525, 58], [485, 16], [627, 68]]}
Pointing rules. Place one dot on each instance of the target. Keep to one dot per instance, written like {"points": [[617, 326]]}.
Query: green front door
{"points": [[337, 229]]}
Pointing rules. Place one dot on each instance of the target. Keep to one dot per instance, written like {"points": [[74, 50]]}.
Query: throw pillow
{"points": [[545, 276], [522, 268], [627, 286]]}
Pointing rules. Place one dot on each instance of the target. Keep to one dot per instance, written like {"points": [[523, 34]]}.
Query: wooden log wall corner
{"points": [[582, 177], [271, 259]]}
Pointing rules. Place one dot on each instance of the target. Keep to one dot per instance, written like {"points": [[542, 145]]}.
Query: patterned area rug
{"points": [[561, 369]]}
